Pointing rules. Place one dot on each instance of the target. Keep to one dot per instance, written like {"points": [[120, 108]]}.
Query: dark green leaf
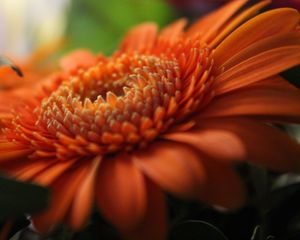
{"points": [[98, 228], [279, 195], [17, 198], [196, 230], [292, 75], [280, 211]]}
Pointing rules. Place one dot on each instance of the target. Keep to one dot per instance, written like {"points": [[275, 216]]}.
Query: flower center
{"points": [[115, 105], [119, 104]]}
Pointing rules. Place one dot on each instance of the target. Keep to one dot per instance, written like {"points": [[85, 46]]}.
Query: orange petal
{"points": [[219, 144], [30, 169], [257, 68], [262, 26], [10, 155], [275, 82], [236, 21], [62, 194], [208, 25], [174, 30], [50, 174], [83, 203], [9, 146], [24, 169], [154, 225], [174, 167], [272, 104], [276, 41], [79, 58], [121, 193], [43, 53], [265, 145], [223, 186], [140, 38]]}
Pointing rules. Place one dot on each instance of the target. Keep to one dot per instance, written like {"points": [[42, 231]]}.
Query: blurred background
{"points": [[29, 24], [96, 24]]}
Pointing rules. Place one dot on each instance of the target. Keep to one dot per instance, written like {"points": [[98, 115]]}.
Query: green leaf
{"points": [[196, 230], [280, 212], [98, 228], [278, 196], [292, 75], [18, 198], [100, 25]]}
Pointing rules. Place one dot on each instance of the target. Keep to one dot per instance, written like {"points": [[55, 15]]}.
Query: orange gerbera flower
{"points": [[172, 111]]}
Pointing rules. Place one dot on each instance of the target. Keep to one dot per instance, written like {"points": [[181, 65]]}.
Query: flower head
{"points": [[171, 111]]}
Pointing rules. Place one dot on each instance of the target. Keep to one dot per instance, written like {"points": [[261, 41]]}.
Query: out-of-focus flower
{"points": [[34, 69], [26, 26], [287, 3], [198, 7], [6, 62], [170, 111]]}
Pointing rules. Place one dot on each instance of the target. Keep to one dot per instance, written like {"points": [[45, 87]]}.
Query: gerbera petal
{"points": [[44, 53], [11, 152], [276, 41], [272, 104], [174, 30], [236, 21], [262, 26], [275, 82], [140, 38], [63, 192], [50, 174], [154, 225], [79, 58], [271, 147], [257, 68], [9, 146], [83, 203], [221, 145], [174, 167], [208, 25], [27, 171], [121, 193], [10, 155], [223, 187]]}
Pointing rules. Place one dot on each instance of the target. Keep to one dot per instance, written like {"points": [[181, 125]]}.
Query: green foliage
{"points": [[100, 25], [292, 75], [196, 230], [18, 198], [257, 235]]}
